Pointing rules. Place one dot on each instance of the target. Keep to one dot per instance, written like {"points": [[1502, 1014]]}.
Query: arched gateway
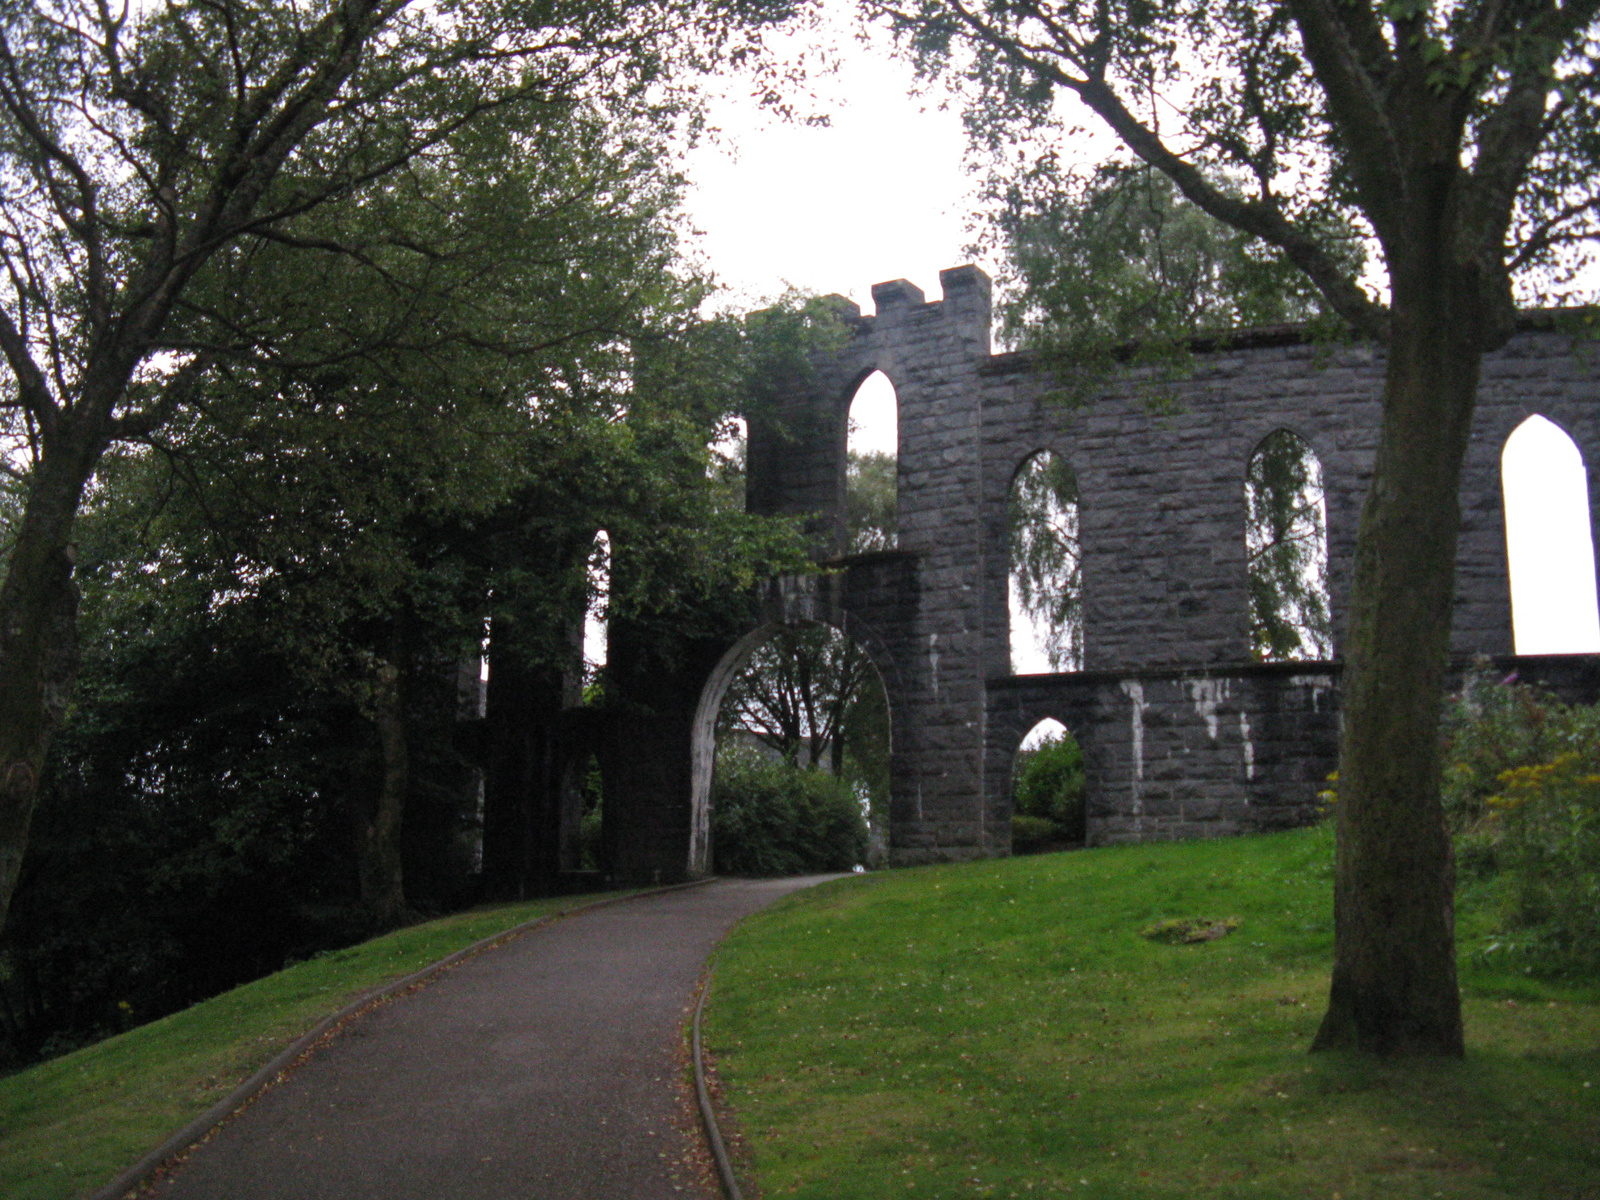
{"points": [[1183, 732]]}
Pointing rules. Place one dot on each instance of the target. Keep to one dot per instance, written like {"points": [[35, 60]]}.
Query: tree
{"points": [[1287, 548], [338, 477], [869, 501], [1114, 264], [796, 691], [147, 154], [1461, 139]]}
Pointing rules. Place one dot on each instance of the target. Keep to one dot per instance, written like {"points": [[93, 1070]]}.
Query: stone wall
{"points": [[1183, 734]]}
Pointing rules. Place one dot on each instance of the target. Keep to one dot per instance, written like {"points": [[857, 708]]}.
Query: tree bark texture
{"points": [[1394, 978], [38, 645]]}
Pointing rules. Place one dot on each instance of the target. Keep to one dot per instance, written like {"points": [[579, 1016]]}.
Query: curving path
{"points": [[549, 1068]]}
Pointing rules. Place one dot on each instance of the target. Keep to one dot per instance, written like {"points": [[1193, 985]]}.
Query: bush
{"points": [[1493, 728], [770, 818], [1049, 788], [1549, 843], [1522, 794]]}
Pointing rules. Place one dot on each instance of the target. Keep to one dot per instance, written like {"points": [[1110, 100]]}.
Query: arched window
{"points": [[595, 648], [1047, 790], [1286, 544], [872, 466], [1046, 579], [1549, 546]]}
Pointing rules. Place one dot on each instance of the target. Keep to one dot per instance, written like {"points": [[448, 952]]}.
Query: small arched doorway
{"points": [[1047, 790]]}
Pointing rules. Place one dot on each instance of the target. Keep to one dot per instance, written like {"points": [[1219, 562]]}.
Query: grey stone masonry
{"points": [[1183, 734]]}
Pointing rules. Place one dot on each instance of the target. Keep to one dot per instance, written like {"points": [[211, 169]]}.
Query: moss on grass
{"points": [[1002, 1029], [70, 1125]]}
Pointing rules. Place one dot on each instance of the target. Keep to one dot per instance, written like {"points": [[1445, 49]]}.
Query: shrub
{"points": [[1492, 728], [1049, 788], [1550, 844], [1522, 794], [771, 818]]}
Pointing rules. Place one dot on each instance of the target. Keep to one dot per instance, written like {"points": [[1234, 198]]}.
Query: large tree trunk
{"points": [[1394, 977], [378, 834], [38, 646]]}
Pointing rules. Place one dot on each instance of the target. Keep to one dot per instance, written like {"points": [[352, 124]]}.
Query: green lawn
{"points": [[72, 1124], [1002, 1029]]}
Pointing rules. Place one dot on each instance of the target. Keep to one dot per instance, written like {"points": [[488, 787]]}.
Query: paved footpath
{"points": [[544, 1069]]}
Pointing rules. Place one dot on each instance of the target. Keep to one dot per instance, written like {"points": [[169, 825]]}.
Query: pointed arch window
{"points": [[1549, 543], [872, 467]]}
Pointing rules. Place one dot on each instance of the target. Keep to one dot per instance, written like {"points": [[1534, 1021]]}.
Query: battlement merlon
{"points": [[967, 306]]}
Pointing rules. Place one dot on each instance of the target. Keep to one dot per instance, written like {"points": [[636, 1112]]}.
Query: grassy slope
{"points": [[70, 1125], [1000, 1029]]}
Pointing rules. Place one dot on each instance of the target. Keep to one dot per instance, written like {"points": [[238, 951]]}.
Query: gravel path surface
{"points": [[549, 1068]]}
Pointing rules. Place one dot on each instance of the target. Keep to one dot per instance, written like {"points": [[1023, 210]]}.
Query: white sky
{"points": [[878, 194], [1549, 542], [881, 194]]}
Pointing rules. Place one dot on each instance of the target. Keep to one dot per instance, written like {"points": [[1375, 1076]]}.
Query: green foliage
{"points": [[1116, 265], [1549, 843], [1046, 557], [771, 818], [1286, 542], [867, 746], [195, 830], [870, 494], [1049, 787], [1004, 1022], [1495, 726], [1522, 792], [796, 693], [781, 345], [418, 423]]}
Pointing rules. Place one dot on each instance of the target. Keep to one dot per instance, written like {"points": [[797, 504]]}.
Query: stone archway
{"points": [[713, 695]]}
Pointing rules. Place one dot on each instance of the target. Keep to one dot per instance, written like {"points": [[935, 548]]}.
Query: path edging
{"points": [[708, 1116], [279, 1065]]}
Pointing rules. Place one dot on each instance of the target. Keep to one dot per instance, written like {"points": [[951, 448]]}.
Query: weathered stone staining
{"points": [[1183, 734]]}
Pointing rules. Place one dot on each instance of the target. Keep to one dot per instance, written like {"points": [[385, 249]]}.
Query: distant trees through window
{"points": [[1286, 545], [1046, 578], [872, 467]]}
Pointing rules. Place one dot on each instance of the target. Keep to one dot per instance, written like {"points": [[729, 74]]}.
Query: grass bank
{"points": [[71, 1125], [1002, 1029]]}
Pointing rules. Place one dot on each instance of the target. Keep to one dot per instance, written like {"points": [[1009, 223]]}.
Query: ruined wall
{"points": [[1183, 734]]}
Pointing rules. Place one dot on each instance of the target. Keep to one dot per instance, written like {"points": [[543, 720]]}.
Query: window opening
{"points": [[801, 777], [595, 632], [1549, 543], [1286, 546], [1045, 588], [872, 467], [1047, 781]]}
